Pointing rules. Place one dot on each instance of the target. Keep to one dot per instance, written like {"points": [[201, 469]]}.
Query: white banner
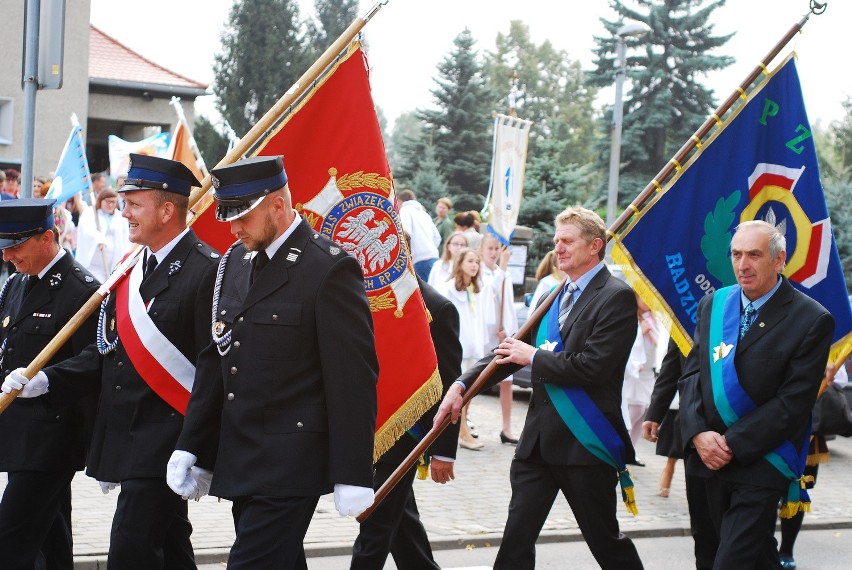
{"points": [[120, 149], [507, 175]]}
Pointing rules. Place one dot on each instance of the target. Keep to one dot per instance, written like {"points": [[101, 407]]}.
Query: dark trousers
{"points": [[271, 532], [150, 529], [744, 516], [35, 521], [591, 494], [701, 525], [393, 528]]}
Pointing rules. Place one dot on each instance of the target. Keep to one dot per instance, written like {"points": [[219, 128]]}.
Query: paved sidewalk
{"points": [[470, 511]]}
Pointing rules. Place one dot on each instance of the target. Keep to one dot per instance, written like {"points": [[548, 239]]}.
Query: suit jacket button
{"points": [[37, 327], [233, 369], [240, 320], [236, 344], [274, 317], [300, 424], [230, 396], [10, 350], [118, 388], [119, 364]]}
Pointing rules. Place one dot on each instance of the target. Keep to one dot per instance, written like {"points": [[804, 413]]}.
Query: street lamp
{"points": [[634, 29]]}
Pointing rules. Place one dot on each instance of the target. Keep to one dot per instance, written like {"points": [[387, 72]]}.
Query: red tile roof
{"points": [[109, 59]]}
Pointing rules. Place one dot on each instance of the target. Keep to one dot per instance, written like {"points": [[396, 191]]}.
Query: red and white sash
{"points": [[160, 364]]}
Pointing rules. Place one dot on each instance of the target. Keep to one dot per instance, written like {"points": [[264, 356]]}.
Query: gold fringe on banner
{"points": [[412, 410]]}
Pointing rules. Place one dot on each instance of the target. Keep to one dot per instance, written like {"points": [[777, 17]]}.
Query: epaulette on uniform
{"points": [[326, 245], [83, 275], [207, 252]]}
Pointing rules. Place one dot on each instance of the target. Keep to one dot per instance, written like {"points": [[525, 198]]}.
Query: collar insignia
{"points": [[174, 267]]}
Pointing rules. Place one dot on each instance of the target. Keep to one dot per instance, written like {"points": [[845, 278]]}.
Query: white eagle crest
{"points": [[365, 243]]}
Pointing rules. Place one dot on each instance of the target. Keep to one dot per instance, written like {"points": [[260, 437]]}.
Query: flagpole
{"points": [[740, 93], [620, 222], [269, 119], [193, 146]]}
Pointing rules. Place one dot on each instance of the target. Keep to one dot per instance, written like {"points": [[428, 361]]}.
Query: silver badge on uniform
{"points": [[334, 250], [293, 254], [174, 267]]}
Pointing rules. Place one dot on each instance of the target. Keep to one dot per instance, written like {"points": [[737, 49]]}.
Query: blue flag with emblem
{"points": [[72, 173], [760, 164]]}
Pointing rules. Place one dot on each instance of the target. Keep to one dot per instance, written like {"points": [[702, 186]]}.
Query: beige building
{"points": [[112, 89]]}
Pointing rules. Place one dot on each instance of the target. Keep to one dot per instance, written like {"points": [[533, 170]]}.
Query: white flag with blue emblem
{"points": [[72, 173], [507, 175]]}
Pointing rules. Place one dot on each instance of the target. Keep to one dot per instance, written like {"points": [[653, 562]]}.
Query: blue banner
{"points": [[72, 173], [761, 164]]}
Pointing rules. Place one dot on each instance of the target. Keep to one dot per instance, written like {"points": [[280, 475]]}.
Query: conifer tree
{"points": [[667, 100]]}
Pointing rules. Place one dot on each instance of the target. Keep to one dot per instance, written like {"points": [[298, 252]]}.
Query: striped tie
{"points": [[567, 302]]}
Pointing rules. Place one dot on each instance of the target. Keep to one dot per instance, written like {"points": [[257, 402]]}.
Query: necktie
{"points": [[567, 302], [257, 264], [28, 286], [150, 266], [745, 322]]}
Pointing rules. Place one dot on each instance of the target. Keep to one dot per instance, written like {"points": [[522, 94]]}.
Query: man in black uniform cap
{"points": [[285, 404], [151, 329], [44, 437]]}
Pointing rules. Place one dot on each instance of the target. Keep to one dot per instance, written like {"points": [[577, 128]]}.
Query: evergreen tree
{"points": [[428, 183], [406, 134], [263, 53], [460, 128], [212, 144], [667, 101], [333, 17]]}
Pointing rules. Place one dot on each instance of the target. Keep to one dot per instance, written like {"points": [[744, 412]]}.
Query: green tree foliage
{"points": [[460, 126], [428, 182], [407, 131], [550, 90], [333, 17], [212, 144], [264, 52], [667, 101], [835, 152]]}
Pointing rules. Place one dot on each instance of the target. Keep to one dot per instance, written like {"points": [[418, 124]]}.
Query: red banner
{"points": [[341, 183]]}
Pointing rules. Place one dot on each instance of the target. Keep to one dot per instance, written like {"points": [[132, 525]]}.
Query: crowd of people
{"points": [[201, 372]]}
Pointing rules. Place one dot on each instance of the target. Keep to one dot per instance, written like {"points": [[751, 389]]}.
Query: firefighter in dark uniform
{"points": [[44, 437], [150, 331], [285, 404]]}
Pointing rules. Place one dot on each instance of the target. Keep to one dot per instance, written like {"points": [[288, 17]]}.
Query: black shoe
{"points": [[637, 462], [506, 439], [787, 562]]}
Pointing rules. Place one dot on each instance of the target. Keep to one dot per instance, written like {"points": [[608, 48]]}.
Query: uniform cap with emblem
{"points": [[240, 187], [155, 173], [23, 218]]}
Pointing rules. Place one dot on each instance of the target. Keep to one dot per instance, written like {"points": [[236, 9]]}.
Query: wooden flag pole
{"points": [[268, 120], [619, 223]]}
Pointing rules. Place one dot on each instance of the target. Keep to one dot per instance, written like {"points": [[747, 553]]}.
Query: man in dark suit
{"points": [[285, 406], [581, 348], [764, 349], [395, 527], [665, 387], [44, 437], [151, 329]]}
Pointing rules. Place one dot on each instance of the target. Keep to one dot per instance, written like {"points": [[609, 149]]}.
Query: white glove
{"points": [[351, 501], [32, 388], [178, 473], [106, 486], [202, 479]]}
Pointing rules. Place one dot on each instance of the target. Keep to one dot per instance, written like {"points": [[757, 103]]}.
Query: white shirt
{"points": [[419, 225]]}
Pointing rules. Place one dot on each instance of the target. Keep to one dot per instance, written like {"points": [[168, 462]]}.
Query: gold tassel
{"points": [[422, 468], [630, 500], [418, 404]]}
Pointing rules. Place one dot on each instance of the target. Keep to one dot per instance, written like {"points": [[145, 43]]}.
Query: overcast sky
{"points": [[408, 38]]}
